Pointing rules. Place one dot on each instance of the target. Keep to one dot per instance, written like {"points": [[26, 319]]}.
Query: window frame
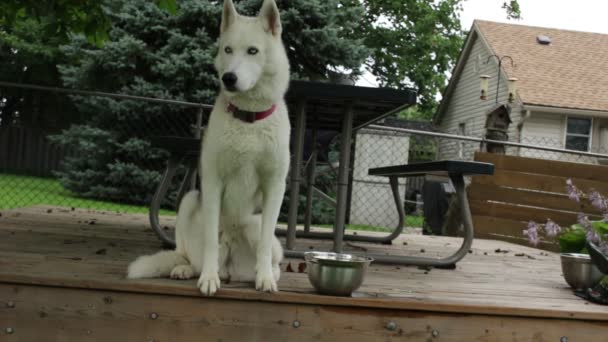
{"points": [[589, 136]]}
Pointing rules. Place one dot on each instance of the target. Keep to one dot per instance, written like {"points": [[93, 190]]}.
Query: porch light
{"points": [[483, 84], [512, 88]]}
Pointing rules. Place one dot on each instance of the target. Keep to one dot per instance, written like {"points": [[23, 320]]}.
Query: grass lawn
{"points": [[410, 221], [25, 191]]}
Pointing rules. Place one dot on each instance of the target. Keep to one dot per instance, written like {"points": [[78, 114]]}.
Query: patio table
{"points": [[341, 108]]}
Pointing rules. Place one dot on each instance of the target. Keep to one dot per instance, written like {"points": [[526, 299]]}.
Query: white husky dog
{"points": [[244, 165]]}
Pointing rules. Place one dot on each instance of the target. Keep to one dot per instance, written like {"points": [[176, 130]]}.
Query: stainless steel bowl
{"points": [[336, 274], [579, 272]]}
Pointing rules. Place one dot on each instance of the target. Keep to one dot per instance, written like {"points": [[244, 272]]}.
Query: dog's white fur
{"points": [[243, 167]]}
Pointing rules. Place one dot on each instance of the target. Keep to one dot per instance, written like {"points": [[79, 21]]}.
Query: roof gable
{"points": [[571, 72]]}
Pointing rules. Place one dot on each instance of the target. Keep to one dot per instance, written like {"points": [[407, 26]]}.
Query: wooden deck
{"points": [[62, 279]]}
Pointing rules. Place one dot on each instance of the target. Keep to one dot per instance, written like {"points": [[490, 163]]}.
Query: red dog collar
{"points": [[250, 117]]}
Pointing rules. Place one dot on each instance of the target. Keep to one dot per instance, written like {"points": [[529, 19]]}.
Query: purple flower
{"points": [[583, 220], [592, 236], [552, 228], [597, 200], [574, 195], [532, 233], [573, 192]]}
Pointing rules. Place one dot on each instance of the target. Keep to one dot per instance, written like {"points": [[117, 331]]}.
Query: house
{"points": [[562, 89]]}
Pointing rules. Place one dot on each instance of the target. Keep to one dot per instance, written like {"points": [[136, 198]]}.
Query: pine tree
{"points": [[152, 53]]}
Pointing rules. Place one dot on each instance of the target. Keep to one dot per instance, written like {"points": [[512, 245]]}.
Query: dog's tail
{"points": [[155, 265], [160, 264]]}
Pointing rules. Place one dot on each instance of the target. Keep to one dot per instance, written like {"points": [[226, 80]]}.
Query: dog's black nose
{"points": [[229, 80]]}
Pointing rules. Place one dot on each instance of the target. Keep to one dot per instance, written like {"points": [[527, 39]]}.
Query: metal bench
{"points": [[455, 170], [186, 151]]}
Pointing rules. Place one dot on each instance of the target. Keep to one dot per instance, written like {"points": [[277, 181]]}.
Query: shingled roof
{"points": [[571, 72]]}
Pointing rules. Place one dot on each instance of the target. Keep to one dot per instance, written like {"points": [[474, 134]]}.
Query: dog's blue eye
{"points": [[252, 51], [228, 49]]}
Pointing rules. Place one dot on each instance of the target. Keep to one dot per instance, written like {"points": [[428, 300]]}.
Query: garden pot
{"points": [[579, 271]]}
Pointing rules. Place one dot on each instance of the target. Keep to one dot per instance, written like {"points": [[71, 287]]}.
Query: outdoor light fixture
{"points": [[512, 88], [483, 83]]}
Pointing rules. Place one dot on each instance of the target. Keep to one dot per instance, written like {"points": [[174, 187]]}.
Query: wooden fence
{"points": [[27, 150], [524, 189]]}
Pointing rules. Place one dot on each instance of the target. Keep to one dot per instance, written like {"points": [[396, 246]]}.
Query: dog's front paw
{"points": [[209, 283], [264, 281]]}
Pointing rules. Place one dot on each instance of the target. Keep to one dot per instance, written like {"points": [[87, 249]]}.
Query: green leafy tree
{"points": [[415, 43], [60, 18], [513, 9], [152, 53], [31, 32]]}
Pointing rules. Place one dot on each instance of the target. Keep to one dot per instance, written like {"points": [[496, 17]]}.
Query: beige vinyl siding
{"points": [[599, 142], [466, 107], [549, 129], [545, 129]]}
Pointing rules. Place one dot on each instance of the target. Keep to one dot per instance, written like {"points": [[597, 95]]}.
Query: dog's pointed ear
{"points": [[269, 14], [228, 15]]}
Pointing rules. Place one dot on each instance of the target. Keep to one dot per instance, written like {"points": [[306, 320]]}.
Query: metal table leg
{"points": [[387, 239], [310, 181], [345, 142], [160, 193], [296, 164], [458, 182], [340, 213], [189, 182]]}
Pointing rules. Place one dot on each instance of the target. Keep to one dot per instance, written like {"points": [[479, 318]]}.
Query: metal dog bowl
{"points": [[336, 274], [579, 272]]}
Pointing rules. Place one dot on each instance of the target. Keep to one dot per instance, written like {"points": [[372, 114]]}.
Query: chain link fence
{"points": [[105, 161], [109, 161], [463, 145]]}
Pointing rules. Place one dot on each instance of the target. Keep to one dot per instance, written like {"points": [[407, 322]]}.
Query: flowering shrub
{"points": [[572, 239]]}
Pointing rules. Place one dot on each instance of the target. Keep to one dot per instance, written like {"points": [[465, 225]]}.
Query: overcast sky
{"points": [[578, 15]]}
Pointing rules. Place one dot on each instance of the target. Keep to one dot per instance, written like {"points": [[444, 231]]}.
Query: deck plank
{"points": [[58, 247]]}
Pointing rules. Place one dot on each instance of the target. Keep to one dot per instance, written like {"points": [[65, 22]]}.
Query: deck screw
{"points": [[9, 330], [154, 315], [392, 326], [435, 333], [563, 339], [296, 324], [10, 304]]}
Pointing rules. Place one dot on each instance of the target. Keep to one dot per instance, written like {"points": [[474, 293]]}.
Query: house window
{"points": [[578, 134]]}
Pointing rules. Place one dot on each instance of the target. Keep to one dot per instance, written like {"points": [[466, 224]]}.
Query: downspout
{"points": [[520, 126], [523, 119]]}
